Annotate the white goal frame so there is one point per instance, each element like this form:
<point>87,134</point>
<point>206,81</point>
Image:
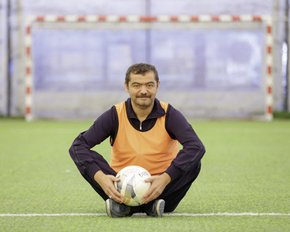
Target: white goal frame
<point>33,21</point>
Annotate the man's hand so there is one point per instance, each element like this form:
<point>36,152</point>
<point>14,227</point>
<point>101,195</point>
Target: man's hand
<point>158,184</point>
<point>107,184</point>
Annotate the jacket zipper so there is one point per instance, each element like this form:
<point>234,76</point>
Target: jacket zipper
<point>140,127</point>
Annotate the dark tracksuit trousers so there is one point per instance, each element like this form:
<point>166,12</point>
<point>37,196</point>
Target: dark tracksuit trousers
<point>172,194</point>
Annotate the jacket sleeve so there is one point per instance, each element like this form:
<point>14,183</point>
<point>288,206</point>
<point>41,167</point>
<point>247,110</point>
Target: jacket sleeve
<point>81,151</point>
<point>192,148</point>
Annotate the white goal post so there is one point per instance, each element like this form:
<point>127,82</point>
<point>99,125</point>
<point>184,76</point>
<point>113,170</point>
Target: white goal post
<point>33,22</point>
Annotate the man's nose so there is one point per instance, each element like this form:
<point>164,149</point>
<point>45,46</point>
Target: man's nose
<point>143,89</point>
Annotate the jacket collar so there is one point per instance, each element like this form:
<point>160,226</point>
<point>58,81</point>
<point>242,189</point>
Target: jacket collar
<point>156,112</point>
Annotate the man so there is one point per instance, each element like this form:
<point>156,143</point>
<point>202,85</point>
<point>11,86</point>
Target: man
<point>146,132</point>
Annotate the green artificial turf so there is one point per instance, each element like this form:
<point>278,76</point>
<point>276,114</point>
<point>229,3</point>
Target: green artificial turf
<point>246,169</point>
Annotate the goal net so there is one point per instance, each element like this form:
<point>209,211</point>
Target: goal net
<point>209,66</point>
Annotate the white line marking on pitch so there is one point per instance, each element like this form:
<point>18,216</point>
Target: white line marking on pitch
<point>226,214</point>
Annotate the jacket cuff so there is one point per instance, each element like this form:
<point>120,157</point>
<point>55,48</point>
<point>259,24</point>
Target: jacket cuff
<point>173,172</point>
<point>92,170</point>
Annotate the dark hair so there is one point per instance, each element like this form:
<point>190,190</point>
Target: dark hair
<point>141,68</point>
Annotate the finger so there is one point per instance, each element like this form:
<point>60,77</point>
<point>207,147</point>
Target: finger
<point>152,197</point>
<point>116,199</point>
<point>149,196</point>
<point>114,179</point>
<point>152,194</point>
<point>149,192</point>
<point>149,180</point>
<point>117,196</point>
<point>148,199</point>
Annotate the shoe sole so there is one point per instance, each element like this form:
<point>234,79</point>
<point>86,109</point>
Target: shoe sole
<point>108,207</point>
<point>160,208</point>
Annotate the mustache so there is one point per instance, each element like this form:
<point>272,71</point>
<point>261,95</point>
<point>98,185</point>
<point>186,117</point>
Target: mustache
<point>144,96</point>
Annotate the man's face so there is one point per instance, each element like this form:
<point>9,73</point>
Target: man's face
<point>142,89</point>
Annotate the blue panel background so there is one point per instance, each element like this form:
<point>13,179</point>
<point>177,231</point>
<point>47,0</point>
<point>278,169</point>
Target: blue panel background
<point>90,59</point>
<point>84,59</point>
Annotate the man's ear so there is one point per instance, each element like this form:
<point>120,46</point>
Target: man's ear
<point>158,84</point>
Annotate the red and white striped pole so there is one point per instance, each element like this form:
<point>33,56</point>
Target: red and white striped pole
<point>28,71</point>
<point>269,69</point>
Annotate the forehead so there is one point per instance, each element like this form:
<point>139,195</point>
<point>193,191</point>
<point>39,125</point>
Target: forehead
<point>142,78</point>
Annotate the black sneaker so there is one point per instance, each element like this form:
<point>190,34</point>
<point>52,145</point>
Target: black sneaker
<point>157,209</point>
<point>115,209</point>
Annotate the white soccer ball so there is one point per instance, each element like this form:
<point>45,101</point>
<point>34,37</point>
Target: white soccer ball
<point>132,185</point>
